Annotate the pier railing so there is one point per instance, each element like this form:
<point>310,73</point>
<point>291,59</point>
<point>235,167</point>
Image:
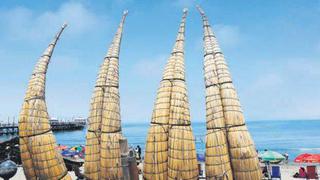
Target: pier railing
<point>12,127</point>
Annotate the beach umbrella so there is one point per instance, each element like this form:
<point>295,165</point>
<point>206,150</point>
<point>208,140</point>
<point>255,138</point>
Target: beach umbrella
<point>242,152</point>
<point>170,147</point>
<point>271,156</point>
<point>300,158</point>
<point>40,159</point>
<point>307,158</point>
<point>217,154</point>
<point>61,147</point>
<point>314,158</point>
<point>103,156</point>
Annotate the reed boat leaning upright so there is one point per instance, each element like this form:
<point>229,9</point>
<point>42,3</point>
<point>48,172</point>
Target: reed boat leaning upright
<point>103,156</point>
<point>40,159</point>
<point>242,152</point>
<point>170,148</point>
<point>217,161</point>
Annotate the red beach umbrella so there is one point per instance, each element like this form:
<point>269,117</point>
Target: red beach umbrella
<point>307,158</point>
<point>314,158</point>
<point>301,157</point>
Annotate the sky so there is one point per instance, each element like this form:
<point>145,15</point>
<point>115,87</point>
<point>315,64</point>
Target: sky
<point>272,49</point>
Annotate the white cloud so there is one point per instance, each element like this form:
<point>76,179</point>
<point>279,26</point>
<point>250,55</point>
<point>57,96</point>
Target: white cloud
<point>228,35</point>
<point>23,23</point>
<point>150,67</point>
<point>286,89</point>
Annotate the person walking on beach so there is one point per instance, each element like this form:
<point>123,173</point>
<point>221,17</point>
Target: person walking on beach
<point>138,150</point>
<point>286,155</point>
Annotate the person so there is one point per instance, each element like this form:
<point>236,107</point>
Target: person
<point>286,155</point>
<point>138,150</point>
<point>265,171</point>
<point>302,173</point>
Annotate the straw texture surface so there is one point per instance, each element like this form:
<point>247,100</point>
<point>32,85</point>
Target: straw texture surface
<point>39,156</point>
<point>156,153</point>
<point>242,153</point>
<point>217,154</point>
<point>103,156</point>
<point>170,147</point>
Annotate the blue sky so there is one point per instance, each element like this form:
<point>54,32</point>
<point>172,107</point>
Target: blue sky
<point>272,48</point>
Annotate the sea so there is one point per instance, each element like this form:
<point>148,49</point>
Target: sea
<point>285,136</point>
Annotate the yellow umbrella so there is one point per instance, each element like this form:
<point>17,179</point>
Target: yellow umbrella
<point>170,147</point>
<point>103,157</point>
<point>40,159</point>
<point>242,152</point>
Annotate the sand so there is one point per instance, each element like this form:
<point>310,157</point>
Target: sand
<point>20,175</point>
<point>287,172</point>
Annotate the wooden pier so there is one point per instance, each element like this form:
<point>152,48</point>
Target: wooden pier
<point>8,128</point>
<point>56,125</point>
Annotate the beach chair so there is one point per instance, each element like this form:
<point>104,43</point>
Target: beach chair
<point>275,172</point>
<point>312,172</point>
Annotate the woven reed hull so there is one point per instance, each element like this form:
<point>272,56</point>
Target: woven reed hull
<point>110,69</point>
<point>111,111</point>
<point>175,66</point>
<point>95,114</point>
<point>214,109</point>
<point>161,108</point>
<point>231,105</point>
<point>46,160</point>
<point>110,157</point>
<point>26,159</point>
<point>92,158</point>
<point>244,159</point>
<point>182,157</point>
<point>217,155</point>
<point>105,110</point>
<point>156,153</point>
<point>243,154</point>
<point>209,67</point>
<point>179,106</point>
<point>33,118</point>
<point>37,82</point>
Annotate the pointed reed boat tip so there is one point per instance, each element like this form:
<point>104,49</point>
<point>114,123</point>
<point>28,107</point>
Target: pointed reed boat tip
<point>185,10</point>
<point>103,151</point>
<point>233,160</point>
<point>170,146</point>
<point>200,10</point>
<point>40,160</point>
<point>64,25</point>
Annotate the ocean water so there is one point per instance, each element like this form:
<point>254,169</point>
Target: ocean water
<point>293,137</point>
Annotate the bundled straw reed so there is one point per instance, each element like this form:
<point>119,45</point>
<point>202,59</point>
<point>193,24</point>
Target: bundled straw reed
<point>156,153</point>
<point>40,159</point>
<point>170,147</point>
<point>217,154</point>
<point>103,156</point>
<point>182,156</point>
<point>244,160</point>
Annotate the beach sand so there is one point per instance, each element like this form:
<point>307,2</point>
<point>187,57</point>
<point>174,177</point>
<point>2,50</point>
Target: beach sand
<point>20,175</point>
<point>287,172</point>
